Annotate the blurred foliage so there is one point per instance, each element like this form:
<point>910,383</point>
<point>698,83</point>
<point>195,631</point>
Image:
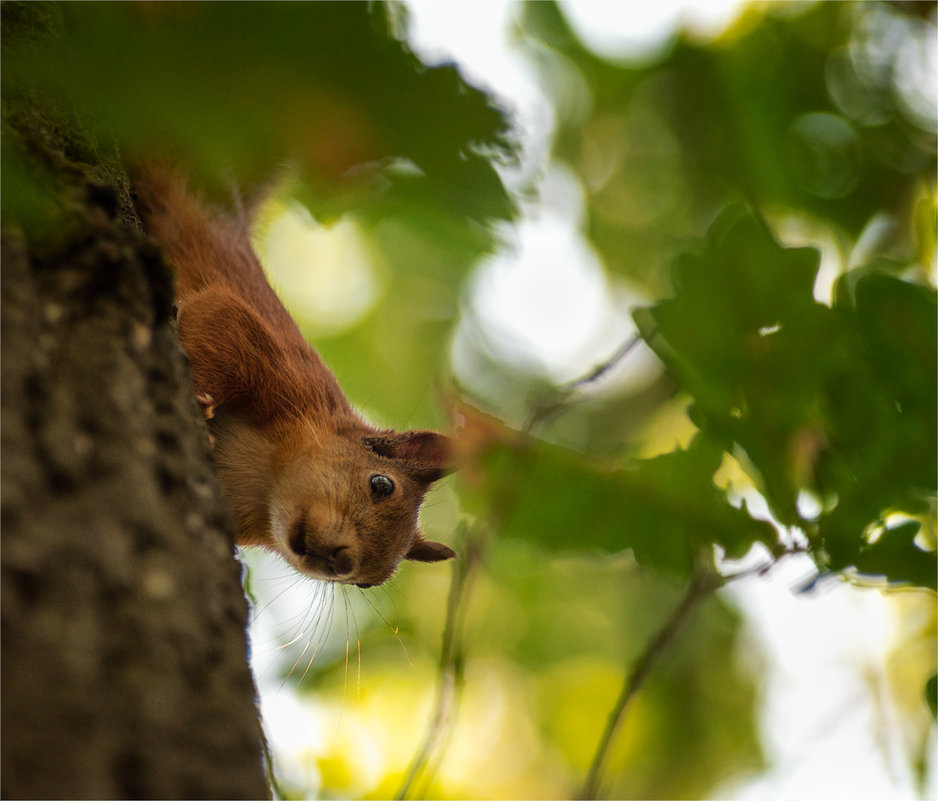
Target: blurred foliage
<point>662,147</point>
<point>705,170</point>
<point>543,664</point>
<point>236,94</point>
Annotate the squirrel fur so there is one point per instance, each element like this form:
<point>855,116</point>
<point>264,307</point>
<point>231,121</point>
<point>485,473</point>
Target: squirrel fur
<point>304,475</point>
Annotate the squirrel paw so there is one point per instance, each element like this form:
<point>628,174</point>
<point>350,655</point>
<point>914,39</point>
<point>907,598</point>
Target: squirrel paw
<point>207,404</point>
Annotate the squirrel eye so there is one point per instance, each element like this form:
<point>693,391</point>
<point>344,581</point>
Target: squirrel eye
<point>381,487</point>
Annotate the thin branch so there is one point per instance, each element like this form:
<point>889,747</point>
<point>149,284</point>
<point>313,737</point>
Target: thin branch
<point>559,400</point>
<point>452,654</point>
<point>766,567</point>
<point>705,580</point>
<point>600,370</point>
<point>702,584</point>
<point>452,660</point>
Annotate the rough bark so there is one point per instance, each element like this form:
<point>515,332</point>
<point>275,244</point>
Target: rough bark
<point>125,670</point>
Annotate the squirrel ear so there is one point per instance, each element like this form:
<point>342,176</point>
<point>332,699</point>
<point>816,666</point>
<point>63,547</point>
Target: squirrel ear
<point>428,551</point>
<point>426,453</point>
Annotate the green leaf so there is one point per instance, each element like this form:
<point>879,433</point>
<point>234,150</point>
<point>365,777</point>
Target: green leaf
<point>898,321</point>
<point>894,555</point>
<point>836,403</point>
<point>741,336</point>
<point>664,509</point>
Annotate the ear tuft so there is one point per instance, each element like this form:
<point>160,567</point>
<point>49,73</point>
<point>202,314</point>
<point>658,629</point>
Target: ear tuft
<point>425,453</point>
<point>428,551</point>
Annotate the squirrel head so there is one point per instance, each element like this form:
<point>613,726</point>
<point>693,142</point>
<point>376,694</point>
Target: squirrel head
<point>343,505</point>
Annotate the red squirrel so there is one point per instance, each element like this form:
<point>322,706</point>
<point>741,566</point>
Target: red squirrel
<point>304,475</point>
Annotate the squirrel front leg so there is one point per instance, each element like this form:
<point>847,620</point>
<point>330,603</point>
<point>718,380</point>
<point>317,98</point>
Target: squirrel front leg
<point>207,404</point>
<point>232,354</point>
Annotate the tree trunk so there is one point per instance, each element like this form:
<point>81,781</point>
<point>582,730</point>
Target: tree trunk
<point>125,670</point>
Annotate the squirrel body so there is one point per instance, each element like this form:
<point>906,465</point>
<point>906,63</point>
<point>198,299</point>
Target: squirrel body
<point>304,475</point>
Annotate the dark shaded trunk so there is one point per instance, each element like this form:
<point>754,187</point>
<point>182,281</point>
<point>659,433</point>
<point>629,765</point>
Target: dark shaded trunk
<point>125,669</point>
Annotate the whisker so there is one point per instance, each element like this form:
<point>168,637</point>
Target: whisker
<point>310,617</point>
<point>358,644</point>
<point>292,583</point>
<point>395,630</point>
<point>358,641</point>
<point>318,633</point>
<point>328,600</point>
<point>348,630</point>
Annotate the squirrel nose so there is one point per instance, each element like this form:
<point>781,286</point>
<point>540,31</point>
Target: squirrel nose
<point>340,561</point>
<point>336,559</point>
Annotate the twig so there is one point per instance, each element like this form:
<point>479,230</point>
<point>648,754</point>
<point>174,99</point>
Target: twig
<point>559,400</point>
<point>450,670</point>
<point>703,582</point>
<point>600,370</point>
<point>452,654</point>
<point>452,657</point>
